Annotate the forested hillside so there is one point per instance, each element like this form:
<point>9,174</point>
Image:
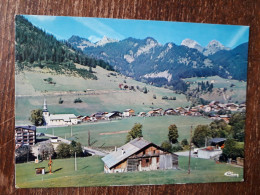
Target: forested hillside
<point>36,48</point>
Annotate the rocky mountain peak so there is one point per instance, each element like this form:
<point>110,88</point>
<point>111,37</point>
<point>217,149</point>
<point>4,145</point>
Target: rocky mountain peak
<point>213,47</point>
<point>192,44</point>
<point>105,40</point>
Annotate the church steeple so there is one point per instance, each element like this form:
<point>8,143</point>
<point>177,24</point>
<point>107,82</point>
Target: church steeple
<point>45,109</point>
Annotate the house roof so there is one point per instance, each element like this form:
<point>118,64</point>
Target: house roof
<point>217,140</point>
<point>28,127</point>
<point>65,117</point>
<point>125,151</point>
<point>110,114</point>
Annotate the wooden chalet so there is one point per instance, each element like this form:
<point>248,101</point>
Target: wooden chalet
<point>155,112</point>
<point>139,155</point>
<point>170,111</point>
<point>128,113</point>
<point>113,115</point>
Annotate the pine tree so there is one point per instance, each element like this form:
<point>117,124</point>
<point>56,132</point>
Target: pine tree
<point>135,132</point>
<point>173,134</point>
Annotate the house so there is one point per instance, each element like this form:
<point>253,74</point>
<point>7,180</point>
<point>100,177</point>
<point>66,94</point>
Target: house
<point>209,152</point>
<point>181,110</point>
<point>57,119</point>
<point>142,114</point>
<point>232,107</point>
<point>113,115</point>
<point>170,111</point>
<point>155,112</point>
<point>225,118</point>
<point>25,135</point>
<point>217,141</point>
<point>139,155</point>
<point>206,108</point>
<point>85,118</point>
<point>98,116</point>
<point>128,113</point>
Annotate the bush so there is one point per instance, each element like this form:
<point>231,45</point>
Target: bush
<point>184,142</point>
<point>166,145</point>
<point>176,147</point>
<point>77,100</point>
<point>63,150</point>
<point>164,98</point>
<point>60,101</point>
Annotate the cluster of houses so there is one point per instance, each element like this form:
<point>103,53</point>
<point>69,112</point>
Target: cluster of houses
<point>211,110</point>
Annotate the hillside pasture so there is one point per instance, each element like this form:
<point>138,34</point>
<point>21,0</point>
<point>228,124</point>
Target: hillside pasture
<point>102,95</point>
<point>237,92</point>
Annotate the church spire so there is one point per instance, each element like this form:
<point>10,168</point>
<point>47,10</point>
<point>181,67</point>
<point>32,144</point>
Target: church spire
<point>45,109</point>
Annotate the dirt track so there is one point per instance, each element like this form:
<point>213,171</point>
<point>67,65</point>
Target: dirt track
<point>115,132</point>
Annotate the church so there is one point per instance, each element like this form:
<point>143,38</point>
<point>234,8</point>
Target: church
<point>57,119</point>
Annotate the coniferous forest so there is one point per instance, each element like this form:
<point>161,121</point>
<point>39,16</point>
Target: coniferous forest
<point>36,48</point>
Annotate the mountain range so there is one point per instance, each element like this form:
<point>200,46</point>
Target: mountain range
<point>148,60</point>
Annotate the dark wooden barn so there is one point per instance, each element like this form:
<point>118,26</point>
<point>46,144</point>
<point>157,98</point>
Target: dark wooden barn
<point>139,155</point>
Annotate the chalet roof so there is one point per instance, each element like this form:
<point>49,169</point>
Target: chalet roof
<point>28,127</point>
<point>217,140</point>
<point>128,110</point>
<point>125,151</point>
<point>169,109</point>
<point>65,117</point>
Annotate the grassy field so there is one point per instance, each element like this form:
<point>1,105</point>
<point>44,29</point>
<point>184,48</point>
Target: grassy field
<point>90,173</point>
<point>237,92</point>
<point>102,94</point>
<point>155,129</point>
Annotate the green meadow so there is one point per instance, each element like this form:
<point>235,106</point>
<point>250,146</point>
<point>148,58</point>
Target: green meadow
<point>155,129</point>
<point>90,173</point>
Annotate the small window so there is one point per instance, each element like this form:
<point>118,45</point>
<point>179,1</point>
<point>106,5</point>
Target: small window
<point>154,151</point>
<point>147,160</point>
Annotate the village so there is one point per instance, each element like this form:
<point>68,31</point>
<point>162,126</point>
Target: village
<point>215,111</point>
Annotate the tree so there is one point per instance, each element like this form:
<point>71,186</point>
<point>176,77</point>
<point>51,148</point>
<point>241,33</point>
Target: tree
<point>200,134</point>
<point>46,149</point>
<point>184,142</point>
<point>37,117</point>
<point>23,154</point>
<point>76,147</point>
<point>135,132</point>
<point>173,133</point>
<point>145,90</point>
<point>166,145</point>
<point>219,128</point>
<point>232,149</point>
<point>60,101</point>
<point>77,100</point>
<point>237,122</point>
<point>63,150</point>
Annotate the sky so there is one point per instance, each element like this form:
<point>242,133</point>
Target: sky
<point>94,29</point>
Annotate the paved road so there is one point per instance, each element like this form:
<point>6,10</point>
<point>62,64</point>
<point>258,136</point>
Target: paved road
<point>89,150</point>
<point>186,153</point>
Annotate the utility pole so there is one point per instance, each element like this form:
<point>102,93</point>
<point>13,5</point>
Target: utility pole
<point>88,138</point>
<point>71,130</point>
<point>190,149</point>
<point>75,162</point>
